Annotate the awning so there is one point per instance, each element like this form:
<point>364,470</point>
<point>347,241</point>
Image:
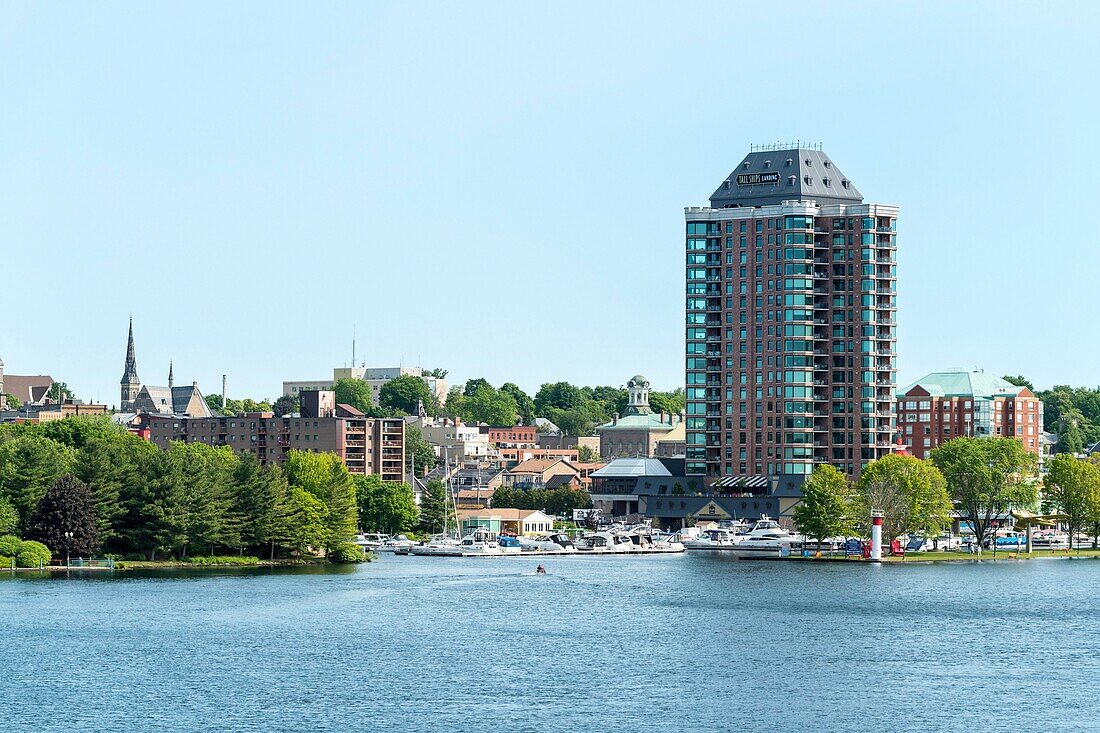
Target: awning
<point>742,482</point>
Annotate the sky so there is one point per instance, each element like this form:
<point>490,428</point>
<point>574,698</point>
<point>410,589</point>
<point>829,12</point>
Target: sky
<point>497,189</point>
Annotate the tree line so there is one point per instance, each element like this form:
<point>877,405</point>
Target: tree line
<point>980,479</point>
<point>1073,413</point>
<point>86,485</point>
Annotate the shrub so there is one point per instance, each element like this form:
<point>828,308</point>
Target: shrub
<point>5,562</point>
<point>134,557</point>
<point>32,554</point>
<point>223,560</point>
<point>346,552</point>
<point>9,545</point>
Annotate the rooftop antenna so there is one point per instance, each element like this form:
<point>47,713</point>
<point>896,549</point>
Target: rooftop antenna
<point>353,347</point>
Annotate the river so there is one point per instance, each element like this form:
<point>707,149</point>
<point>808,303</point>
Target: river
<point>680,643</point>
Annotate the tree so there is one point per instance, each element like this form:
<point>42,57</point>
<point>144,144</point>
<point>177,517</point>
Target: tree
<point>436,511</point>
<point>305,528</point>
<point>29,465</point>
<point>586,454</point>
<point>11,401</point>
<point>1070,438</point>
<point>487,405</point>
<point>456,402</point>
<point>473,385</point>
<point>525,406</point>
<point>825,508</point>
<point>436,373</point>
<point>404,394</point>
<point>911,494</point>
<point>673,402</point>
<point>576,421</point>
<point>355,392</point>
<point>285,405</point>
<point>261,503</point>
<point>1019,381</point>
<point>112,467</point>
<point>64,519</point>
<point>562,395</point>
<point>986,477</point>
<point>59,391</point>
<point>388,506</point>
<point>9,518</point>
<point>326,477</point>
<point>419,450</point>
<point>1070,485</point>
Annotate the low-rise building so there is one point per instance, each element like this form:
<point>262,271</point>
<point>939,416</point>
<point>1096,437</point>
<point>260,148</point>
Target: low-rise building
<point>511,436</point>
<point>672,444</point>
<point>29,389</point>
<point>636,432</point>
<point>51,411</point>
<point>506,521</point>
<point>536,473</point>
<point>511,457</point>
<point>946,405</point>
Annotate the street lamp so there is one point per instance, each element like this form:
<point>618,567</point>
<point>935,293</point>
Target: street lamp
<point>68,545</point>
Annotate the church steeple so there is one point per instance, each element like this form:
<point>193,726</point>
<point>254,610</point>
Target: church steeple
<point>171,382</point>
<point>130,382</point>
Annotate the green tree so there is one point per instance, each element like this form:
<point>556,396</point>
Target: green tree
<point>825,509</point>
<point>1019,381</point>
<point>112,467</point>
<point>29,465</point>
<point>9,518</point>
<point>11,401</point>
<point>473,385</point>
<point>456,403</point>
<point>562,501</point>
<point>285,405</point>
<point>525,406</point>
<point>673,402</point>
<point>356,392</point>
<point>305,528</point>
<point>560,395</point>
<point>986,478</point>
<point>59,391</point>
<point>487,405</point>
<point>575,421</point>
<point>588,455</point>
<point>78,431</point>
<point>418,449</point>
<point>436,511</point>
<point>1070,485</point>
<point>1071,439</point>
<point>261,503</point>
<point>326,477</point>
<point>403,395</point>
<point>388,506</point>
<point>65,520</point>
<point>911,494</point>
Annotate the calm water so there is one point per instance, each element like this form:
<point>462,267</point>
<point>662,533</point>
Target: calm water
<point>684,643</point>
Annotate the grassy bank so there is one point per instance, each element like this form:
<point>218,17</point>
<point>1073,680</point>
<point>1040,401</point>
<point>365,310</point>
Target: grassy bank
<point>941,556</point>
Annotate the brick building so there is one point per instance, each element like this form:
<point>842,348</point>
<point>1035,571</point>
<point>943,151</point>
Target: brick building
<point>365,445</point>
<point>790,322</point>
<point>946,405</point>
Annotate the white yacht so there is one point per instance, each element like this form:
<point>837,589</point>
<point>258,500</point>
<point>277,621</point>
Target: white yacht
<point>605,543</point>
<point>479,543</point>
<point>555,543</point>
<point>766,539</point>
<point>439,544</point>
<point>370,540</point>
<point>714,539</point>
<point>398,544</point>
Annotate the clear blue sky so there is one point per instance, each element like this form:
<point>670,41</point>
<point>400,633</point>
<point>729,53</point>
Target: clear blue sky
<point>498,188</point>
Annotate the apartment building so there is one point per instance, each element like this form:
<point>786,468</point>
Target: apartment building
<point>790,322</point>
<point>365,445</point>
<point>946,405</point>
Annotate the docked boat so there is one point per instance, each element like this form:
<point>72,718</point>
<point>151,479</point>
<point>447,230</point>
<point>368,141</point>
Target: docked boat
<point>646,539</point>
<point>556,543</point>
<point>439,544</point>
<point>714,539</point>
<point>509,544</point>
<point>766,540</point>
<point>370,540</point>
<point>399,544</point>
<point>605,543</point>
<point>479,543</point>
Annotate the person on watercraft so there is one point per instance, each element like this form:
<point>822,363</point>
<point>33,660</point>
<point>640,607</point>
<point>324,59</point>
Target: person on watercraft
<point>540,570</point>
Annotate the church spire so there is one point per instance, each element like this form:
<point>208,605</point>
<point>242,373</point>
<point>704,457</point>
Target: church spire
<point>131,384</point>
<point>130,372</point>
<point>171,382</point>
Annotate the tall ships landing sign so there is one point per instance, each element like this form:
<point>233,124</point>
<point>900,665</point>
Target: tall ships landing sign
<point>747,179</point>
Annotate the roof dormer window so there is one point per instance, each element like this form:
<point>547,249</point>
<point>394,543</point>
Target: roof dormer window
<point>767,164</point>
<point>789,162</point>
<point>808,180</point>
<point>790,180</point>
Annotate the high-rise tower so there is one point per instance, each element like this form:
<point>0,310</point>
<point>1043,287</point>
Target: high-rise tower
<point>791,322</point>
<point>131,383</point>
